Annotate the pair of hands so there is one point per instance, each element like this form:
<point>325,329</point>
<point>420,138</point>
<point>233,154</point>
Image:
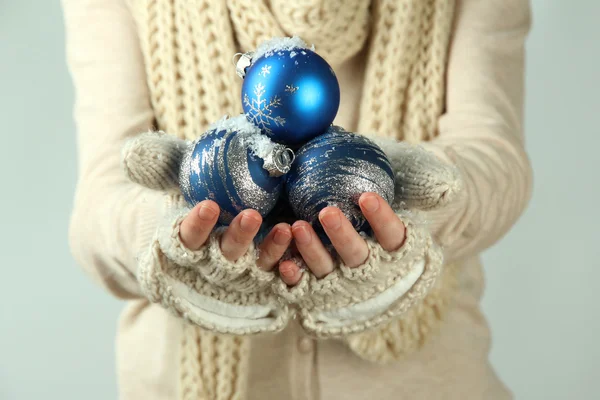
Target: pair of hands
<point>351,247</point>
<point>202,288</point>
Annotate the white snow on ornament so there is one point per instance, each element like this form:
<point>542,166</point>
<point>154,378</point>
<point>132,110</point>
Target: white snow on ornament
<point>238,123</point>
<point>293,54</point>
<point>195,166</point>
<point>259,144</point>
<point>278,44</point>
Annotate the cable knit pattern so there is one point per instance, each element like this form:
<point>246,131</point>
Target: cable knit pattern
<point>200,378</point>
<point>321,22</point>
<point>403,94</point>
<point>174,72</point>
<point>188,49</point>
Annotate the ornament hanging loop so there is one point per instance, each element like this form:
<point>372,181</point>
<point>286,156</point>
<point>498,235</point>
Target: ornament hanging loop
<point>289,156</point>
<point>242,63</point>
<point>279,161</point>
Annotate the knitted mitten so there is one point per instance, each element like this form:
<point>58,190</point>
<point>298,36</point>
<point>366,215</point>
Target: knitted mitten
<point>387,284</point>
<point>423,181</point>
<point>200,286</point>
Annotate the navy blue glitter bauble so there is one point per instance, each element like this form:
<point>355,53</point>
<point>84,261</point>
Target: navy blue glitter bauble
<point>334,169</point>
<point>237,170</point>
<point>292,95</point>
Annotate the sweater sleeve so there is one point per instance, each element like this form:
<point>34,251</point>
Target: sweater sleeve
<point>482,130</point>
<point>481,134</point>
<point>112,218</point>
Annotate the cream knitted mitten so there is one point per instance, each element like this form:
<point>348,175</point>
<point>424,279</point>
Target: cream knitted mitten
<point>208,290</point>
<point>200,286</point>
<point>423,182</point>
<point>387,284</point>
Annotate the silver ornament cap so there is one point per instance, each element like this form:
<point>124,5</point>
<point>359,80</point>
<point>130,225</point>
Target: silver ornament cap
<point>242,63</point>
<point>279,161</point>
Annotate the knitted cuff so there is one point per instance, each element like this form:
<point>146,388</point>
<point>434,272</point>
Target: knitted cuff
<point>205,288</point>
<point>243,275</point>
<point>401,336</point>
<point>173,247</point>
<point>184,292</point>
<point>352,300</point>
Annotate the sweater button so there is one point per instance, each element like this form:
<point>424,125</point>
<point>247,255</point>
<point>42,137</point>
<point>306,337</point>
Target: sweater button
<point>305,345</point>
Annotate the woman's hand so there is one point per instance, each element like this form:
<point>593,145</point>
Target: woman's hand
<point>196,228</point>
<point>351,247</point>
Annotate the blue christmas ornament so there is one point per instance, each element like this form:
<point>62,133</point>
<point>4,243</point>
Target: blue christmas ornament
<point>236,166</point>
<point>289,91</point>
<point>334,169</point>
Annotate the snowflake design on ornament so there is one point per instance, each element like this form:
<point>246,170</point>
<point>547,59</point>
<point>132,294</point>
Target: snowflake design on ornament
<point>261,111</point>
<point>265,70</point>
<point>291,88</point>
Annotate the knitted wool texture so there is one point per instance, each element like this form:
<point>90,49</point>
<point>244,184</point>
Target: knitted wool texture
<point>188,47</point>
<point>203,287</point>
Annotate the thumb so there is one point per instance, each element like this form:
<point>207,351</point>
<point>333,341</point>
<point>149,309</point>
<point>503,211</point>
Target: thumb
<point>422,180</point>
<point>152,159</point>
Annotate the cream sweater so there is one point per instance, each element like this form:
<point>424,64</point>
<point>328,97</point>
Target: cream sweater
<point>113,220</point>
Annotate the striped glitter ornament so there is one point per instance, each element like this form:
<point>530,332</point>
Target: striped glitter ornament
<point>334,169</point>
<point>236,166</point>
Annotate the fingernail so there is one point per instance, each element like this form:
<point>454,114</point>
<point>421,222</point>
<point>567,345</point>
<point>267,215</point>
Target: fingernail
<point>370,203</point>
<point>288,270</point>
<point>281,237</point>
<point>206,213</point>
<point>331,219</point>
<point>249,223</point>
<point>301,235</point>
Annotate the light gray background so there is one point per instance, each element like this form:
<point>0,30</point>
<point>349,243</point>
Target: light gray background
<point>57,328</point>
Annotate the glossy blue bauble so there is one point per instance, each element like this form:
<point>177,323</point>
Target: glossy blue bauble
<point>291,95</point>
<point>334,169</point>
<point>221,166</point>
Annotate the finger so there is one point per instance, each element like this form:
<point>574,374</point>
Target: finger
<point>387,227</point>
<point>314,253</point>
<point>240,233</point>
<point>197,225</point>
<point>350,246</point>
<point>273,247</point>
<point>290,273</point>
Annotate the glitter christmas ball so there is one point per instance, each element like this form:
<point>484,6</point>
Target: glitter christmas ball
<point>236,166</point>
<point>334,169</point>
<point>290,92</point>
